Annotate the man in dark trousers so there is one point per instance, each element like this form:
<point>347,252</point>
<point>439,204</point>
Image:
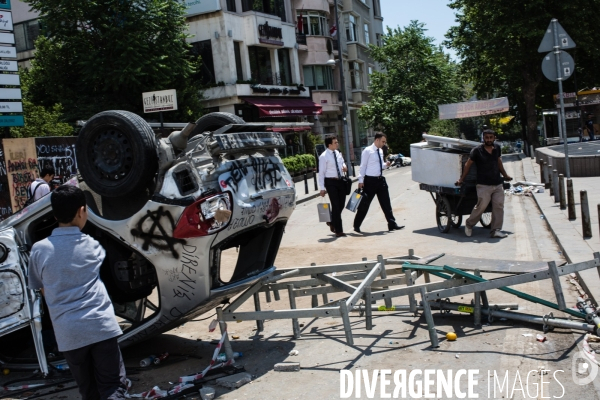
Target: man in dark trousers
<point>488,159</point>
<point>66,268</point>
<point>589,125</point>
<point>373,183</point>
<point>331,170</point>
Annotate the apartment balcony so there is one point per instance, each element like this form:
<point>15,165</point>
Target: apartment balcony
<point>328,99</point>
<point>301,39</point>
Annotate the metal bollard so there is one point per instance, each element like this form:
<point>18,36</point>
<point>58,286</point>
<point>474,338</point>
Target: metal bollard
<point>546,175</point>
<point>598,226</point>
<point>561,191</point>
<point>315,181</point>
<point>531,153</point>
<point>555,185</point>
<point>305,184</point>
<point>571,200</point>
<point>542,179</point>
<point>353,172</point>
<point>550,185</point>
<point>586,223</point>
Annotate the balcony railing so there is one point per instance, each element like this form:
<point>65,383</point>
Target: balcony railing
<point>301,39</point>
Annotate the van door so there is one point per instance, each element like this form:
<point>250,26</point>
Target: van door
<point>21,307</point>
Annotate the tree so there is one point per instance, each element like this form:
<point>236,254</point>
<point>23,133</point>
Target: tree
<point>96,55</point>
<point>497,41</point>
<point>416,77</point>
<point>39,121</point>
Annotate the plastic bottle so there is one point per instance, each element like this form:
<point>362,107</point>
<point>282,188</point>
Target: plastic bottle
<point>160,358</point>
<point>147,361</point>
<point>62,367</point>
<point>223,357</point>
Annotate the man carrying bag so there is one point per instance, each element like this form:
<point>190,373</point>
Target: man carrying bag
<point>332,182</point>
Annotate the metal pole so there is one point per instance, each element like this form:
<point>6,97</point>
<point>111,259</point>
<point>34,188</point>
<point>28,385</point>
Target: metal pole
<point>477,304</point>
<point>555,185</point>
<point>315,180</point>
<point>368,309</point>
<point>571,200</point>
<point>550,183</point>
<point>561,191</point>
<point>586,222</point>
<point>305,184</point>
<point>531,152</point>
<point>260,325</point>
<point>429,318</point>
<point>343,85</point>
<point>563,125</point>
<point>223,328</point>
<point>295,324</point>
<point>546,175</point>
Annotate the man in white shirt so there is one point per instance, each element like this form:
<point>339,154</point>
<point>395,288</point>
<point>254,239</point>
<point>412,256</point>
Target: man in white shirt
<point>41,186</point>
<point>373,183</point>
<point>331,170</point>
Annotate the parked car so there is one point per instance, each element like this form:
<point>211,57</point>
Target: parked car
<point>398,160</point>
<point>187,221</point>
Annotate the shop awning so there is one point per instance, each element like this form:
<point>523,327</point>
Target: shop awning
<point>284,107</point>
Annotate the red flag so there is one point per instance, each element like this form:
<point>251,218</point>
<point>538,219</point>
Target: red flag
<point>333,30</point>
<point>301,24</point>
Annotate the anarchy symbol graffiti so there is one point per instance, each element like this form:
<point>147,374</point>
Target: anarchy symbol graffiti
<point>155,234</point>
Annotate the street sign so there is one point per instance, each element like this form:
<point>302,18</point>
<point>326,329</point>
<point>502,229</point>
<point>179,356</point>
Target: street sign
<point>162,100</point>
<point>7,38</point>
<point>11,106</point>
<point>5,4</point>
<point>8,66</point>
<point>564,40</point>
<point>10,94</point>
<point>567,66</point>
<point>8,52</point>
<point>10,79</point>
<point>12,120</point>
<point>6,22</point>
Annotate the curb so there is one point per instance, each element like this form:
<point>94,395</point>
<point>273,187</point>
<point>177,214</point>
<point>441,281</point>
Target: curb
<point>560,245</point>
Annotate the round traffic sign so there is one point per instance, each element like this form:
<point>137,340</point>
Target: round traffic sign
<point>567,66</point>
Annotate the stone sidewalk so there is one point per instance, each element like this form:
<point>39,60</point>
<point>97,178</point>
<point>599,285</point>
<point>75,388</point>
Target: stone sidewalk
<point>569,234</point>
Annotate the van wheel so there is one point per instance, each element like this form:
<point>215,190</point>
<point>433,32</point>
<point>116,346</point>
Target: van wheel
<point>116,153</point>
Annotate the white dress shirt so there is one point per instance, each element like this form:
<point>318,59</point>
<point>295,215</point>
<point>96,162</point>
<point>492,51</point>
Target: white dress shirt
<point>43,190</point>
<point>369,164</point>
<point>327,167</point>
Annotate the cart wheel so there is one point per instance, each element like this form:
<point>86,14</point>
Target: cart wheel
<point>456,221</point>
<point>442,215</point>
<point>486,220</point>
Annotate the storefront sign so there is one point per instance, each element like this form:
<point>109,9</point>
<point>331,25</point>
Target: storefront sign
<point>163,100</point>
<point>5,4</point>
<point>269,31</point>
<point>12,120</point>
<point>195,7</point>
<point>9,66</point>
<point>473,108</point>
<point>10,79</point>
<point>11,106</point>
<point>10,94</point>
<point>7,38</point>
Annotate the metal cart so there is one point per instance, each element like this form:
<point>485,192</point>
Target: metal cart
<point>451,203</point>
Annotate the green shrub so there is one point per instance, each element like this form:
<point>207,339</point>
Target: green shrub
<point>299,163</point>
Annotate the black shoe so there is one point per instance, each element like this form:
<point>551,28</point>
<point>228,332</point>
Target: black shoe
<point>331,228</point>
<point>395,227</point>
<point>357,230</point>
<point>341,234</point>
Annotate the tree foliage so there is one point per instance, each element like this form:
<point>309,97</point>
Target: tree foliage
<point>416,77</point>
<point>96,55</point>
<point>39,121</point>
<point>497,41</point>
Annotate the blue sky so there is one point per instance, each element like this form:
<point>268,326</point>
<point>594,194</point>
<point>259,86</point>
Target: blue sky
<point>435,14</point>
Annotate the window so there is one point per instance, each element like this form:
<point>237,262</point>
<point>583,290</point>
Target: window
<point>314,23</point>
<point>376,8</point>
<point>231,6</point>
<point>318,77</point>
<point>379,39</point>
<point>273,7</point>
<point>238,61</point>
<point>367,38</point>
<point>260,65</point>
<point>356,75</point>
<point>285,69</point>
<point>207,70</point>
<point>351,28</point>
<point>25,35</point>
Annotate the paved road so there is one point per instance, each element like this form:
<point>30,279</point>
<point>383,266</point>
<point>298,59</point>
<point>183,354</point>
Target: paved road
<point>400,340</point>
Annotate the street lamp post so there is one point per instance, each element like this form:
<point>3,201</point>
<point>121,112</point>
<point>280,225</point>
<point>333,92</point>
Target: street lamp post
<point>342,84</point>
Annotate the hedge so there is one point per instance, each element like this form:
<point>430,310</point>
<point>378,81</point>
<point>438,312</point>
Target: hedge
<point>299,163</point>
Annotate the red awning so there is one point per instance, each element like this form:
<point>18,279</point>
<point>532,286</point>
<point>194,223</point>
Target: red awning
<point>282,107</point>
